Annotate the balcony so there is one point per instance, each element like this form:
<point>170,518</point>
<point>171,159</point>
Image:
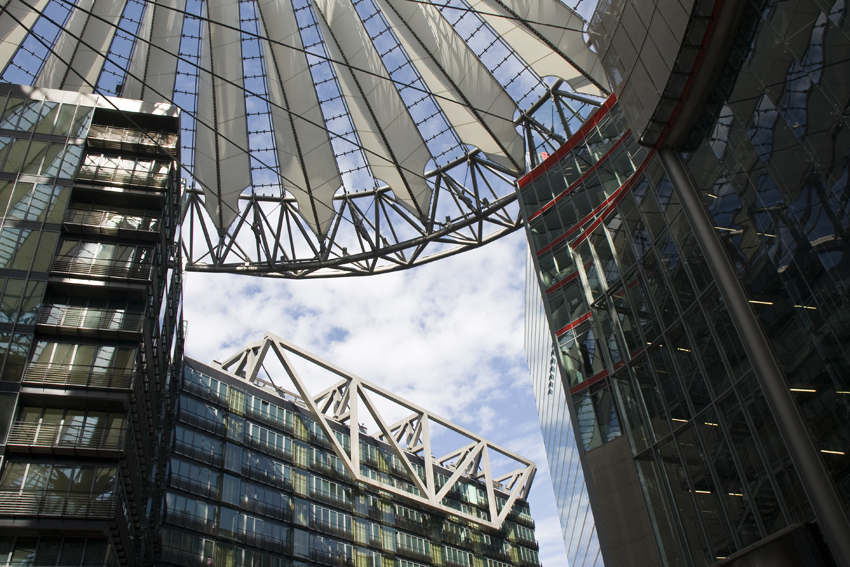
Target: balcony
<point>131,139</point>
<point>205,455</point>
<point>412,553</point>
<point>421,528</point>
<point>86,320</point>
<point>208,394</point>
<point>332,499</point>
<point>85,267</point>
<point>185,558</point>
<point>521,517</point>
<point>329,528</point>
<point>194,486</point>
<point>57,504</point>
<point>328,470</point>
<point>495,551</point>
<point>458,540</point>
<point>85,437</point>
<point>328,558</point>
<point>266,542</point>
<point>186,520</point>
<point>111,223</point>
<point>527,542</point>
<point>145,174</point>
<point>82,375</point>
<point>263,475</point>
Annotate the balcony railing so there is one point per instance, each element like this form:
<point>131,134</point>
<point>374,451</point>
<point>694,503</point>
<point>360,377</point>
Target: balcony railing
<point>458,540</point>
<point>185,558</point>
<point>78,375</point>
<point>72,436</point>
<point>421,528</point>
<point>209,456</point>
<point>194,486</point>
<point>495,551</point>
<point>190,521</point>
<point>413,553</point>
<point>328,558</point>
<point>49,503</point>
<point>266,476</point>
<point>527,542</point>
<point>329,470</point>
<point>116,137</point>
<point>101,268</point>
<point>206,393</point>
<point>332,499</point>
<point>112,221</point>
<point>521,517</point>
<point>141,177</point>
<point>67,316</point>
<point>329,528</point>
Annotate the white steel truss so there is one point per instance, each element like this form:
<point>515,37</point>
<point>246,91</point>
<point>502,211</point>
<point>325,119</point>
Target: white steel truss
<point>349,398</point>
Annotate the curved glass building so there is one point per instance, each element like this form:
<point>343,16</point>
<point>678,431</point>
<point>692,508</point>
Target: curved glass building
<point>690,244</point>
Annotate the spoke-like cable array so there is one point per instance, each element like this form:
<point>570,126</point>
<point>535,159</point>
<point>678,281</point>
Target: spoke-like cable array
<point>331,137</point>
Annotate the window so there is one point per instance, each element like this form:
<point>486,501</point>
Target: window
<point>269,439</point>
<point>413,543</point>
<point>409,513</point>
<point>331,490</point>
<point>330,518</point>
<point>455,556</point>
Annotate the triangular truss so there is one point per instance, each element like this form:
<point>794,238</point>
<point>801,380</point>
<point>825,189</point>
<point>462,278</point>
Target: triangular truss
<point>351,396</point>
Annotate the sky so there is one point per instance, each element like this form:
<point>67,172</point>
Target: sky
<point>447,336</point>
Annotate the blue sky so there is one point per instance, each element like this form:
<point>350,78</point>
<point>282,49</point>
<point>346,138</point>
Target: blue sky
<point>447,336</point>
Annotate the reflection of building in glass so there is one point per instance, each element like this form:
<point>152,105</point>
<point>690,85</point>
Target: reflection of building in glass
<point>696,285</point>
<point>90,323</point>
<point>256,477</point>
<point>571,499</point>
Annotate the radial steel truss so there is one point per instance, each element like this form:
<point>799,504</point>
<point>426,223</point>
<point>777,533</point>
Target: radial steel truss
<point>348,400</point>
<point>329,137</point>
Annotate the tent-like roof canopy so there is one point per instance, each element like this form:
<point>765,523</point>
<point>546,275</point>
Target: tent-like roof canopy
<point>329,137</point>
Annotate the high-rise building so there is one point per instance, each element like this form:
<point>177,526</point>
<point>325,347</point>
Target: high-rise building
<point>690,244</point>
<point>260,475</point>
<point>562,453</point>
<point>91,323</point>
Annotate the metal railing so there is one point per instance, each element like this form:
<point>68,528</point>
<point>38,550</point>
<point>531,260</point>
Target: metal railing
<point>521,517</point>
<point>332,529</point>
<point>421,528</point>
<point>74,436</point>
<point>194,486</point>
<point>78,375</point>
<point>256,473</point>
<point>413,553</point>
<point>332,499</point>
<point>185,558</point>
<point>49,503</point>
<point>112,220</point>
<point>327,558</point>
<point>206,393</point>
<point>101,268</point>
<point>208,456</point>
<point>116,175</point>
<point>118,137</point>
<point>527,542</point>
<point>190,521</point>
<point>90,318</point>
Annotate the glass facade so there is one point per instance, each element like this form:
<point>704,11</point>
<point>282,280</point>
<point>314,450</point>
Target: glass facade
<point>85,360</point>
<point>571,498</point>
<point>252,480</point>
<point>648,345</point>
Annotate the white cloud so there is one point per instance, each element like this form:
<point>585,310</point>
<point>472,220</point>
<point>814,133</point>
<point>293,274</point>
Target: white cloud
<point>448,336</point>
